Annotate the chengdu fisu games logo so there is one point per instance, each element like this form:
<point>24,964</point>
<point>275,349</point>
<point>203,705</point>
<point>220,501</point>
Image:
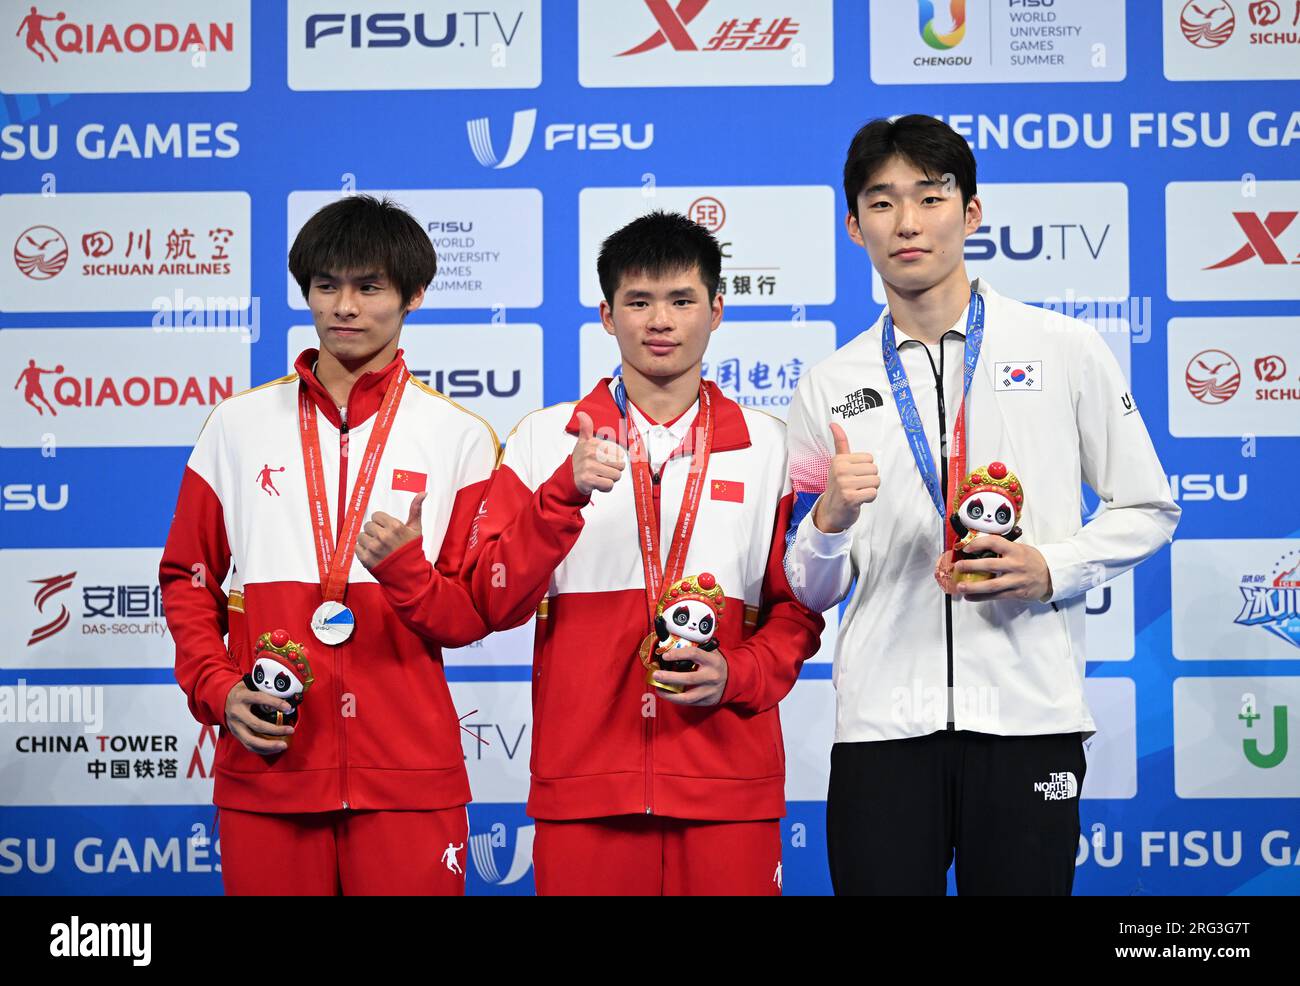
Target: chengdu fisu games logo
<point>925,12</point>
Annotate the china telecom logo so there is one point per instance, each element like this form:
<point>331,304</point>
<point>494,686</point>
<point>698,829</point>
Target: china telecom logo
<point>925,12</point>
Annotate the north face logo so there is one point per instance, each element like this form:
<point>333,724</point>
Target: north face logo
<point>857,402</point>
<point>1059,786</point>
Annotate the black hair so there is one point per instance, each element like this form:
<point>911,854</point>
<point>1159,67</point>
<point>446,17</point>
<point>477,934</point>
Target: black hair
<point>659,243</point>
<point>359,233</point>
<point>929,144</point>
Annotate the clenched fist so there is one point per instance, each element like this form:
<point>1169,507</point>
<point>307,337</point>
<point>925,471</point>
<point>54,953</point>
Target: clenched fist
<point>851,481</point>
<point>597,463</point>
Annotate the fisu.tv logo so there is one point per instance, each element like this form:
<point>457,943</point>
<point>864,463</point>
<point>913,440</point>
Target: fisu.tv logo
<point>950,39</point>
<point>583,136</point>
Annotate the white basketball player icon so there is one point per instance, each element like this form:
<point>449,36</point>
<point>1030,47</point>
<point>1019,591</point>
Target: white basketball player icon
<point>776,877</point>
<point>449,857</point>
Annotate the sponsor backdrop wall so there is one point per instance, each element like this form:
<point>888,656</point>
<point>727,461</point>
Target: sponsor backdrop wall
<point>1138,169</point>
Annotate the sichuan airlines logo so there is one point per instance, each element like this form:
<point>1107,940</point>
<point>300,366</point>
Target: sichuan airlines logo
<point>735,34</point>
<point>582,136</point>
<point>48,588</point>
<point>1270,368</point>
<point>1261,240</point>
<point>1273,602</point>
<point>1206,23</point>
<point>40,252</point>
<point>1213,376</point>
<point>948,39</point>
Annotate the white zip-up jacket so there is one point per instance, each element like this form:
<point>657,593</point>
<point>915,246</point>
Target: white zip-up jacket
<point>1012,667</point>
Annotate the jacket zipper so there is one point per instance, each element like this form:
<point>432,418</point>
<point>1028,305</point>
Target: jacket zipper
<point>650,719</point>
<point>943,485</point>
<point>338,657</point>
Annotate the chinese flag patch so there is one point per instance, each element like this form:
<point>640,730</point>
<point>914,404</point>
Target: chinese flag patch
<point>406,481</point>
<point>726,489</point>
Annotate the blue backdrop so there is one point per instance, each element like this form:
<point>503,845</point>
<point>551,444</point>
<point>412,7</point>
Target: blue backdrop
<point>1185,222</point>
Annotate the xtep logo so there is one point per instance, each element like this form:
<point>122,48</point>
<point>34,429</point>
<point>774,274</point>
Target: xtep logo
<point>951,39</point>
<point>584,136</point>
<point>50,587</point>
<point>672,26</point>
<point>736,34</point>
<point>1261,239</point>
<point>1250,745</point>
<point>1207,24</point>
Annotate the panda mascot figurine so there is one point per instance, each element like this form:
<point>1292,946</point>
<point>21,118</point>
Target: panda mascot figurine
<point>280,668</point>
<point>687,616</point>
<point>989,501</point>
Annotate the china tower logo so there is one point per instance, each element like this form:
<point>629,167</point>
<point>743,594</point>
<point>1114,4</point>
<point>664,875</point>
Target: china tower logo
<point>1213,376</point>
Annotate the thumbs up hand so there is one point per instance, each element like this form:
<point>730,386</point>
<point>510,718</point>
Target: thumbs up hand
<point>597,463</point>
<point>384,534</point>
<point>851,481</point>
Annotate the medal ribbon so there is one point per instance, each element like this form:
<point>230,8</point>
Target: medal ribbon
<point>911,417</point>
<point>657,575</point>
<point>334,565</point>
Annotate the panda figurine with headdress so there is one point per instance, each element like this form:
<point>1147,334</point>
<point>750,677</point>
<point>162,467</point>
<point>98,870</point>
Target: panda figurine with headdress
<point>280,668</point>
<point>687,616</point>
<point>989,501</point>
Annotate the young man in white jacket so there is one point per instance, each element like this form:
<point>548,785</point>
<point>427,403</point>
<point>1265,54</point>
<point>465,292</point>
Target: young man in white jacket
<point>960,704</point>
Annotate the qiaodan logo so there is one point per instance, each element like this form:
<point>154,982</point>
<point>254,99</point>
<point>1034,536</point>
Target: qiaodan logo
<point>925,12</point>
<point>1250,745</point>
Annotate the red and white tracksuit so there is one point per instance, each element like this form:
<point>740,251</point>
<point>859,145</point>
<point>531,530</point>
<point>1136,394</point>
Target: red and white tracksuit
<point>377,732</point>
<point>603,746</point>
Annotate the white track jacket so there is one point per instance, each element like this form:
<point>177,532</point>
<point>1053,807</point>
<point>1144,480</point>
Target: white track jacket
<point>911,660</point>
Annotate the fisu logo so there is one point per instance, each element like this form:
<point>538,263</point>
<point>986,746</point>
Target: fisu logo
<point>521,135</point>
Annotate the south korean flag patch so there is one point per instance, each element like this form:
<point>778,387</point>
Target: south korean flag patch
<point>1020,375</point>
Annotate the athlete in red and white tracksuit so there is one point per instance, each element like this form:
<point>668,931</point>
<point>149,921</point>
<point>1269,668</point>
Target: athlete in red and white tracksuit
<point>370,794</point>
<point>634,794</point>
